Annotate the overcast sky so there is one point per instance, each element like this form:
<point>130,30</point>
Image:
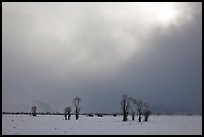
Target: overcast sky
<point>53,52</point>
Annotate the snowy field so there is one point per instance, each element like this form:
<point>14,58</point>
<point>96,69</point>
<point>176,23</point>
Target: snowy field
<point>55,124</point>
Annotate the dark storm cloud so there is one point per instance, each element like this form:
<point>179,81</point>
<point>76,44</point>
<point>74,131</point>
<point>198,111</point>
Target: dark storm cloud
<point>98,51</point>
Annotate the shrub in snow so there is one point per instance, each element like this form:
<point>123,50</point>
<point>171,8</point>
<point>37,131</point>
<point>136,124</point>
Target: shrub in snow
<point>100,115</point>
<point>133,115</point>
<point>90,115</point>
<point>33,109</point>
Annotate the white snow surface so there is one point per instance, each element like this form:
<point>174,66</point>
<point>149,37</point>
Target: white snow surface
<point>106,125</point>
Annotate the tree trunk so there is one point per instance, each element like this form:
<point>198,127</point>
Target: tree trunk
<point>69,115</point>
<point>124,113</point>
<point>77,114</point>
<point>139,115</point>
<point>65,115</point>
<point>139,118</point>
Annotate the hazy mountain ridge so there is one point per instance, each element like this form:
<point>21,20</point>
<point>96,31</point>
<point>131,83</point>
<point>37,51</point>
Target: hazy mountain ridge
<point>41,107</point>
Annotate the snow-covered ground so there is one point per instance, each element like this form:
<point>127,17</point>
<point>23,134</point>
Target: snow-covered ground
<point>55,124</point>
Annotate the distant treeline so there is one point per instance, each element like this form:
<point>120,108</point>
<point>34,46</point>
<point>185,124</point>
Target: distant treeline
<point>29,113</point>
<point>58,113</point>
<point>90,114</point>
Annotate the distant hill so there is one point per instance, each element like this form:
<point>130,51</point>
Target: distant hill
<point>41,107</point>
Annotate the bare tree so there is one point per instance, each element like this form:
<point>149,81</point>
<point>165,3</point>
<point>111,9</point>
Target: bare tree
<point>33,109</point>
<point>146,112</point>
<point>67,111</point>
<point>76,102</point>
<point>125,105</point>
<point>139,105</point>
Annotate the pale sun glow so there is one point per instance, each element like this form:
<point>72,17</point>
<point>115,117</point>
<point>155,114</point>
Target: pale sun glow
<point>162,13</point>
<point>166,13</point>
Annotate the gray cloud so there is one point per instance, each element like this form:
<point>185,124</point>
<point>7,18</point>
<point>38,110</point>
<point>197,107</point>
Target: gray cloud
<point>99,51</point>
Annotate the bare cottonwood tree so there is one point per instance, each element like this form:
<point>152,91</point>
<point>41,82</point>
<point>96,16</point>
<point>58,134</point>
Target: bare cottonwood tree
<point>76,102</point>
<point>139,105</point>
<point>33,109</point>
<point>125,105</point>
<point>67,111</point>
<point>146,112</point>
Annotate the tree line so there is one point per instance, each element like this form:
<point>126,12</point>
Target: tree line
<point>67,110</point>
<point>141,107</point>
